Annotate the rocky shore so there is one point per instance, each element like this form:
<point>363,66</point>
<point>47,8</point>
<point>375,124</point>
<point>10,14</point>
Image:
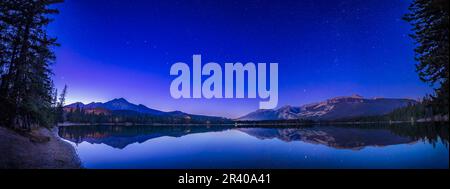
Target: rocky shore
<point>40,149</point>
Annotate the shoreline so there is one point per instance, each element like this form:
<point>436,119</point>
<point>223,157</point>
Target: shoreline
<point>42,149</point>
<point>255,123</point>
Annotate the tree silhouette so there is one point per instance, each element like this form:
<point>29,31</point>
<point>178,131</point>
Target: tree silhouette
<point>60,105</point>
<point>430,20</point>
<point>26,88</point>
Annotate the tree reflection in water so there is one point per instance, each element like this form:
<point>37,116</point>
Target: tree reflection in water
<point>337,136</point>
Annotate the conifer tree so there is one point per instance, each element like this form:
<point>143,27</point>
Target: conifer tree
<point>60,106</point>
<point>430,21</point>
<point>26,55</point>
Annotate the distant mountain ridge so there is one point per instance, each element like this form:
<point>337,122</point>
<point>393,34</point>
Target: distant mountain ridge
<point>117,104</point>
<point>332,109</point>
<point>122,107</point>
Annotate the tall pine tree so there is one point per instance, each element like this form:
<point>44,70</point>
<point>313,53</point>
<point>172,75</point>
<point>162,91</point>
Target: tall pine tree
<point>60,105</point>
<point>25,83</point>
<point>430,21</point>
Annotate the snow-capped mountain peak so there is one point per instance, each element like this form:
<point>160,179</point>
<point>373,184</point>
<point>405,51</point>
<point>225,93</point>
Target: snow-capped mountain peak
<point>334,108</point>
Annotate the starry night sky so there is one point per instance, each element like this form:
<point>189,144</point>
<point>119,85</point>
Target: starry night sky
<point>325,48</point>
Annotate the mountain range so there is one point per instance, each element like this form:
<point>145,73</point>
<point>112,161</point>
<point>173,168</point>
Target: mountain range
<point>332,109</point>
<point>115,104</point>
<point>121,107</point>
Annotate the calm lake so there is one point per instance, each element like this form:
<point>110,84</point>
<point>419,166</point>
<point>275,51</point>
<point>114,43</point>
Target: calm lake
<point>319,146</point>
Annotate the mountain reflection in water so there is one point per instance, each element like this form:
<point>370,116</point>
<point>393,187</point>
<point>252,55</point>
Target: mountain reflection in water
<point>354,137</point>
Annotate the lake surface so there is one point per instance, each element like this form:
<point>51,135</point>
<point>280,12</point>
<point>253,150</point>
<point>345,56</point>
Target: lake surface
<point>320,146</point>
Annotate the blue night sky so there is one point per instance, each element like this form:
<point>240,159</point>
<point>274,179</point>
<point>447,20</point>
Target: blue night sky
<point>325,48</point>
